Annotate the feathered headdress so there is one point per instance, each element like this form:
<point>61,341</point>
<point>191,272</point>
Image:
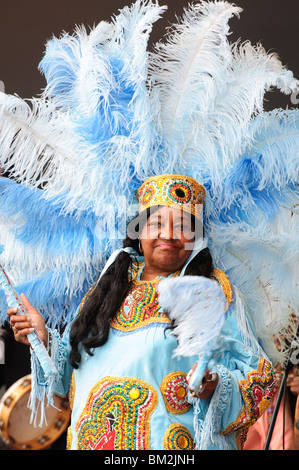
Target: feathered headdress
<point>113,114</point>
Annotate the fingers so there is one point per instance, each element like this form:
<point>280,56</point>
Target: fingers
<point>294,386</point>
<point>26,302</point>
<point>21,324</point>
<point>190,373</point>
<point>208,384</point>
<point>21,327</point>
<point>21,335</point>
<point>209,377</point>
<point>12,311</point>
<point>24,324</point>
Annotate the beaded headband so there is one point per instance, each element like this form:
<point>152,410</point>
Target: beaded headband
<point>177,191</point>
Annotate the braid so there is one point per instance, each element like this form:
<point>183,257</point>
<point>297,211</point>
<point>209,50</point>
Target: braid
<point>91,327</point>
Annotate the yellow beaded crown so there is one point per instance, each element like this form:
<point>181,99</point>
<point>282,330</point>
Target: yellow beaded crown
<point>177,191</point>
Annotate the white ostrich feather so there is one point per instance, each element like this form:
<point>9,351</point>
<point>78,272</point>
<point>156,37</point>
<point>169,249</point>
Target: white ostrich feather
<point>197,306</point>
<point>210,89</point>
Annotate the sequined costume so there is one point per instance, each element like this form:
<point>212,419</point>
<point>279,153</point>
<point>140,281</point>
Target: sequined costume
<point>112,115</point>
<point>132,393</point>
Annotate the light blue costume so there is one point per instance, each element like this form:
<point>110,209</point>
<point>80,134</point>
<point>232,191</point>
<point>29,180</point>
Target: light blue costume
<point>112,114</point>
<point>132,393</point>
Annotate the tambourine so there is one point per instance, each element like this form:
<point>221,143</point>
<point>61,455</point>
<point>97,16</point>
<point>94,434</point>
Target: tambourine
<point>15,427</point>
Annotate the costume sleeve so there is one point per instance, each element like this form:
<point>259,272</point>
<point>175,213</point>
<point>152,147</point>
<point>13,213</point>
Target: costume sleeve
<point>245,389</point>
<point>43,388</point>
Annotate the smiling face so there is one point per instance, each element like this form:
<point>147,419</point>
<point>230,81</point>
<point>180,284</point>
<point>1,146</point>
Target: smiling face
<point>167,241</point>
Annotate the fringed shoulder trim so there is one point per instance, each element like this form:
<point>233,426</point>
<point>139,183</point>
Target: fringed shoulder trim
<point>221,278</point>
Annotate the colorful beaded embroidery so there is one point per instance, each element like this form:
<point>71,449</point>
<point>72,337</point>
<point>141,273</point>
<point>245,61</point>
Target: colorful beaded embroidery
<point>174,390</point>
<point>71,395</point>
<point>117,415</point>
<point>72,391</point>
<point>257,391</point>
<point>69,438</point>
<point>177,191</point>
<point>141,307</point>
<point>177,437</point>
<point>221,279</point>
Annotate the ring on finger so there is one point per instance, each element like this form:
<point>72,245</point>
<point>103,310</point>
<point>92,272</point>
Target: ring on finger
<point>213,377</point>
<point>198,392</point>
<point>18,336</point>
